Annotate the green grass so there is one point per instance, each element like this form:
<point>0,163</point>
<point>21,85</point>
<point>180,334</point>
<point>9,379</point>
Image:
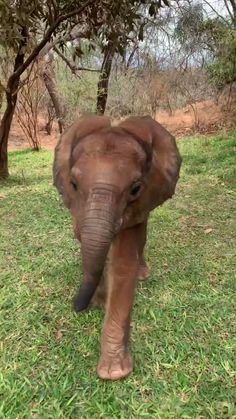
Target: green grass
<point>184,320</point>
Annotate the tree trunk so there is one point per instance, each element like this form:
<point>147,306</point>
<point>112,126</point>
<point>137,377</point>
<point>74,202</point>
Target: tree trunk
<point>102,91</point>
<point>4,134</point>
<point>51,115</point>
<point>11,97</point>
<point>233,5</point>
<point>49,80</point>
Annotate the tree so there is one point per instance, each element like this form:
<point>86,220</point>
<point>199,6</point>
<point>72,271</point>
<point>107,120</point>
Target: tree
<point>197,30</point>
<point>126,28</point>
<point>102,91</point>
<point>222,70</point>
<point>49,81</point>
<point>28,26</point>
<point>31,26</point>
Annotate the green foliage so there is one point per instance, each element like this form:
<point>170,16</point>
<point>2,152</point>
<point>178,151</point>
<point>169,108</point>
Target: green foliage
<point>14,15</point>
<point>189,24</point>
<point>107,20</point>
<point>197,32</point>
<point>223,69</point>
<point>183,325</point>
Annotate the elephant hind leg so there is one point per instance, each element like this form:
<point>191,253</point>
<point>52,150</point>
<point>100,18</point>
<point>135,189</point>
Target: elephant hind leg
<point>143,270</point>
<point>100,296</point>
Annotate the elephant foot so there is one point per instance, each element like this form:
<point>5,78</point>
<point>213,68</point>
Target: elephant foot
<point>115,368</point>
<point>143,272</point>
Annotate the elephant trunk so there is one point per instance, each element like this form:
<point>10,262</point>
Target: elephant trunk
<point>97,232</point>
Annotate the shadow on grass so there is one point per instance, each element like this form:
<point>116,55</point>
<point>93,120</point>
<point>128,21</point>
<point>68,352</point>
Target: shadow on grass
<point>25,180</point>
<point>25,152</point>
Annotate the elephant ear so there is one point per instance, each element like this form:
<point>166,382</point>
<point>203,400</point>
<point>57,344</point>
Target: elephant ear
<point>166,159</point>
<point>85,126</point>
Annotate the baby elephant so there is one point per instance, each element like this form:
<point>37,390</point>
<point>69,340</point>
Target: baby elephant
<point>110,178</point>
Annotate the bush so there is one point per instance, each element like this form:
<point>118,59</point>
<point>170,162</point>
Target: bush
<point>79,93</point>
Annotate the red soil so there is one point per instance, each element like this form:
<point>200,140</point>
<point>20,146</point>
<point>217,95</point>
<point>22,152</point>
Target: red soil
<point>203,117</point>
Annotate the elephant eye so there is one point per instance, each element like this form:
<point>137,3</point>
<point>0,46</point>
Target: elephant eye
<point>75,187</point>
<point>135,189</point>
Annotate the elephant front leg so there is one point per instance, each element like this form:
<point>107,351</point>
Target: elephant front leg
<point>143,270</point>
<point>115,361</point>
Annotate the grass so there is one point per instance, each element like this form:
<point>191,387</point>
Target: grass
<point>184,319</point>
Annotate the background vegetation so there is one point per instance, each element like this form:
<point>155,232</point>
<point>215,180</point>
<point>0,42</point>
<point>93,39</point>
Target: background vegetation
<point>136,58</point>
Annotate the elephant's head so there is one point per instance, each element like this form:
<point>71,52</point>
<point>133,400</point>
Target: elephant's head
<point>110,178</point>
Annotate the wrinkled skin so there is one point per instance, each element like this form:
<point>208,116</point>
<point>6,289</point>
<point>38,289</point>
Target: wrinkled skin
<point>111,178</point>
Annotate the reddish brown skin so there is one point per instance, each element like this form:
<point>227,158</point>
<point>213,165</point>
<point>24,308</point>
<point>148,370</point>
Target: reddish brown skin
<point>111,178</point>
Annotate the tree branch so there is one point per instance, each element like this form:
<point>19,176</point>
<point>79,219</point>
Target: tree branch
<point>69,37</point>
<point>233,4</point>
<point>47,37</point>
<point>54,4</point>
<point>233,16</point>
<point>228,9</point>
<point>73,67</point>
<point>217,14</point>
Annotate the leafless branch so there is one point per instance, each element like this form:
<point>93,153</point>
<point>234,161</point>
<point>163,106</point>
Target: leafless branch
<point>27,77</point>
<point>28,107</point>
<point>72,66</point>
<point>217,14</point>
